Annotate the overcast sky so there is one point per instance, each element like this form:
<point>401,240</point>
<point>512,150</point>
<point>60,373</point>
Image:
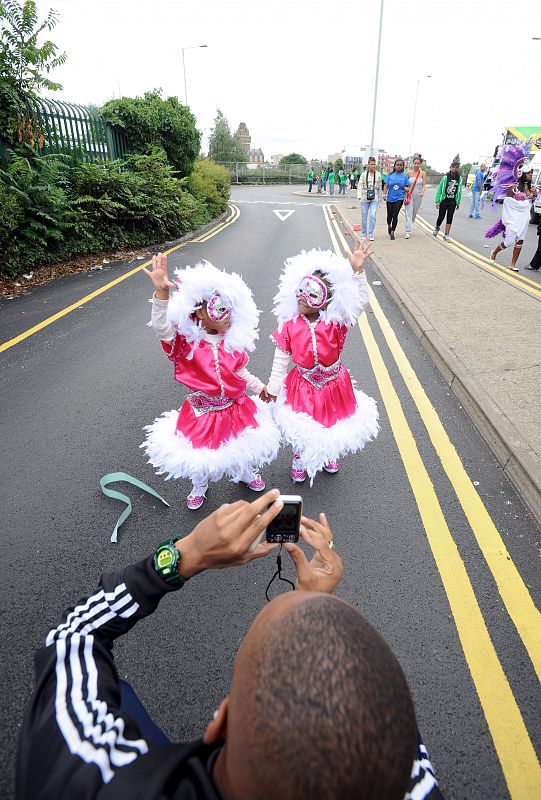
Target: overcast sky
<point>301,73</point>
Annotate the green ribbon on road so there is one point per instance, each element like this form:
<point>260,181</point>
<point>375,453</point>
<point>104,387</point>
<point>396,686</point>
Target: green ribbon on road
<point>114,477</point>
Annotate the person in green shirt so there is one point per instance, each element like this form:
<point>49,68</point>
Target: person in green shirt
<point>343,181</point>
<point>330,181</point>
<point>310,179</point>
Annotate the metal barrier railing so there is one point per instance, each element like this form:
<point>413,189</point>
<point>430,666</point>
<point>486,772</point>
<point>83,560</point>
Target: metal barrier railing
<point>75,130</point>
<point>265,173</point>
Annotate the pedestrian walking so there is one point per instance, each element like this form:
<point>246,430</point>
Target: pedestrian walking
<point>512,183</point>
<point>320,414</point>
<point>369,193</point>
<point>206,329</point>
<point>330,181</point>
<point>448,199</point>
<point>394,192</point>
<point>343,181</point>
<point>476,189</point>
<point>310,179</point>
<point>535,263</point>
<point>319,183</point>
<point>326,180</point>
<point>515,219</point>
<point>412,203</point>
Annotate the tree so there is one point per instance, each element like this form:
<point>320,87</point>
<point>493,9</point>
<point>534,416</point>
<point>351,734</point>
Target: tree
<point>338,164</point>
<point>457,159</point>
<point>24,65</point>
<point>466,169</point>
<point>150,121</point>
<point>293,158</point>
<point>223,145</point>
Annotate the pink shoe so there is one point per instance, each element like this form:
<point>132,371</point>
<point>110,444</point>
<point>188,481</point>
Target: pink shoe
<point>196,500</point>
<point>258,484</point>
<point>331,466</point>
<point>298,475</point>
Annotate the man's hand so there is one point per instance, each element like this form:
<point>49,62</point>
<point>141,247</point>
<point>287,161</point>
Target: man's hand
<point>225,536</point>
<point>159,276</point>
<point>361,251</point>
<point>324,571</point>
<point>266,397</point>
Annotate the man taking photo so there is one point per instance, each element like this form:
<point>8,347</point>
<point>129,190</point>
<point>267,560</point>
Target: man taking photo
<point>318,704</point>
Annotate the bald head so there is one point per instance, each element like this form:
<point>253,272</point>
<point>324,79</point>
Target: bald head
<point>319,707</point>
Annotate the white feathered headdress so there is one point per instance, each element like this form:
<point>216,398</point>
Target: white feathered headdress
<point>200,283</point>
<point>349,291</point>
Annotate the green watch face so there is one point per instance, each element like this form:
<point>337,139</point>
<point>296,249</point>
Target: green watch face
<point>165,559</point>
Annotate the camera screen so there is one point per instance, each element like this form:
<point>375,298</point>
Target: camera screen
<point>286,521</point>
<point>285,526</point>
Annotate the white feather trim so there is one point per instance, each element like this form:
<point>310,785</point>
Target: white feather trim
<point>199,283</point>
<point>174,456</point>
<point>350,291</point>
<point>316,444</point>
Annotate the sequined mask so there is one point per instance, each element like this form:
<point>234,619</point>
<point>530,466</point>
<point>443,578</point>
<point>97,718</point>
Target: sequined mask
<point>313,291</point>
<point>218,309</point>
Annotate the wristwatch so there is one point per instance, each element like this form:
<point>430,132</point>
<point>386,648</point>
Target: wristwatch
<point>166,562</point>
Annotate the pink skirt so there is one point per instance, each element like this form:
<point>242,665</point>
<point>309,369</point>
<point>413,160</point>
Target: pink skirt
<point>214,429</point>
<point>333,402</point>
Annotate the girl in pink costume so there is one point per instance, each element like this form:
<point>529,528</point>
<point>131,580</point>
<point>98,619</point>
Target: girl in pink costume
<point>206,329</point>
<point>319,412</point>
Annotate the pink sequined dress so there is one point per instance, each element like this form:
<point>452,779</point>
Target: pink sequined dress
<point>219,430</point>
<point>319,412</point>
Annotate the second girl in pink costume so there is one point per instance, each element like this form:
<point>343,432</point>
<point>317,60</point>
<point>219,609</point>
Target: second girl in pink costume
<point>206,329</point>
<point>319,412</point>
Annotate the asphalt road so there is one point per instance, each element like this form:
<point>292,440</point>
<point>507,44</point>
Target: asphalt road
<point>76,396</point>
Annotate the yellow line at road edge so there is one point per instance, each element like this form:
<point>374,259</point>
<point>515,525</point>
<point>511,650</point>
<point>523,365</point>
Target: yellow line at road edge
<point>62,313</point>
<point>515,751</point>
<point>512,589</point>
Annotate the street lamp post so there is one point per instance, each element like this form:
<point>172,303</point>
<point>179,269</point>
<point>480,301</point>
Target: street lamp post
<point>415,112</point>
<point>376,82</point>
<point>193,47</point>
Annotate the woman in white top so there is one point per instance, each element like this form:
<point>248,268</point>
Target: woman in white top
<point>369,193</point>
<point>417,180</point>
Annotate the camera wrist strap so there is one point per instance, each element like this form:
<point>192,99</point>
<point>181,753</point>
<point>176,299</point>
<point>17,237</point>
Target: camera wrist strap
<point>278,574</point>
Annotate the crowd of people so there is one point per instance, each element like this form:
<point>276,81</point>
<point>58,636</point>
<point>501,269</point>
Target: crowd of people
<point>402,189</point>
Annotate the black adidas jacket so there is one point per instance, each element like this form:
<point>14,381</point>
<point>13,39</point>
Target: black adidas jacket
<point>76,742</point>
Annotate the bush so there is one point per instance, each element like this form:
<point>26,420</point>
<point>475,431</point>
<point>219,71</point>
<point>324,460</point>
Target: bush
<point>35,192</point>
<point>211,183</point>
<point>149,122</point>
<point>53,208</point>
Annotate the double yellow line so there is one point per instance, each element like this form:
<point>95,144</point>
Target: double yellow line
<point>234,215</point>
<point>522,281</point>
<point>506,725</point>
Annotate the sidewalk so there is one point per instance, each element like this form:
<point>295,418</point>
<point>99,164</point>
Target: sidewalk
<point>482,334</point>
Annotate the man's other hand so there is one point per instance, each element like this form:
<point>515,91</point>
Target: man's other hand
<point>324,571</point>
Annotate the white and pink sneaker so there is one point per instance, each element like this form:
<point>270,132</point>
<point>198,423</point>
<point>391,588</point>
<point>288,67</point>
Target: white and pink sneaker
<point>298,474</point>
<point>197,497</point>
<point>331,466</point>
<point>257,484</point>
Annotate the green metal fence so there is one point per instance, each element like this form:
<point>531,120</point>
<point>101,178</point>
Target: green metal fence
<point>266,173</point>
<point>78,131</point>
<point>74,130</point>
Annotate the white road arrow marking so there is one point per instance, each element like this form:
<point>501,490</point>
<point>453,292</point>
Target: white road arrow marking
<point>283,215</point>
